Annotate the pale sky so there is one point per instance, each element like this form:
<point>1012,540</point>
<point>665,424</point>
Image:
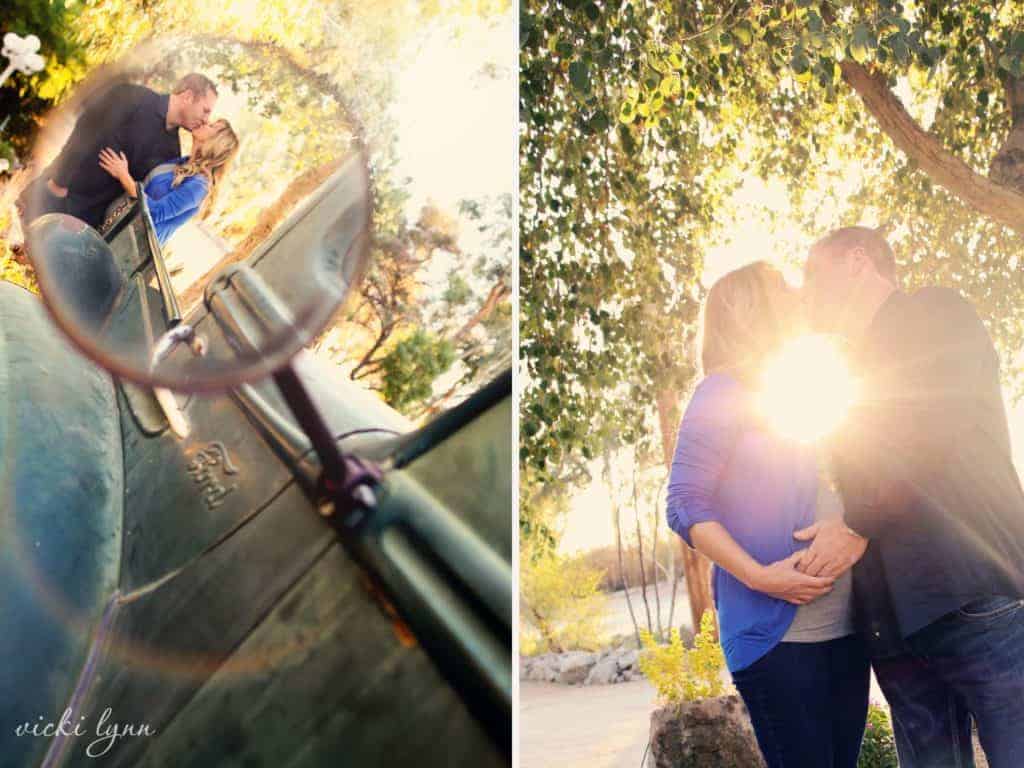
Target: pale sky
<point>456,121</point>
<point>455,114</point>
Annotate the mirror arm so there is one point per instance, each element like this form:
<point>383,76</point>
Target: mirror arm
<point>287,440</point>
<point>345,480</point>
<point>456,614</point>
<point>172,313</point>
<point>433,577</point>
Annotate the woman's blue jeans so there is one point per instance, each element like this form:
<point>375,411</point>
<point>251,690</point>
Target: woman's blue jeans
<point>808,702</point>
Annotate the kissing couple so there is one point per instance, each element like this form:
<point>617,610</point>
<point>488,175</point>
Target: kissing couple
<point>896,544</point>
<point>127,132</point>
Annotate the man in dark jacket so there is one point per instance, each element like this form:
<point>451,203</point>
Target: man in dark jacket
<point>934,507</point>
<point>127,118</point>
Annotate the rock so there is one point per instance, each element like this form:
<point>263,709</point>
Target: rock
<point>624,641</point>
<point>543,668</point>
<point>630,659</point>
<point>605,671</point>
<point>697,734</point>
<point>616,665</point>
<point>574,666</point>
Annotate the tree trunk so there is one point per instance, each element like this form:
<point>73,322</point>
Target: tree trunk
<point>640,548</point>
<point>981,193</point>
<point>383,335</point>
<point>498,292</point>
<point>654,571</point>
<point>675,583</point>
<point>696,567</point>
<point>546,632</point>
<point>298,189</point>
<point>617,522</point>
<point>622,573</point>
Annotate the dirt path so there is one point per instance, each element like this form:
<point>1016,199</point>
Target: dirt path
<point>596,726</point>
<point>592,726</point>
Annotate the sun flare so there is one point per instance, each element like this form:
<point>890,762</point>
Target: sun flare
<point>807,389</point>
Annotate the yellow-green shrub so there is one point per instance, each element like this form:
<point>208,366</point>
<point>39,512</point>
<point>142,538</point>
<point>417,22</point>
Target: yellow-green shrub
<point>683,674</point>
<point>562,607</point>
<point>878,748</point>
<point>11,270</point>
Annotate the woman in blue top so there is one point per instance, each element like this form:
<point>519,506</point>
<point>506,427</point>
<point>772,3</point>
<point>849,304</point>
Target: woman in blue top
<point>738,492</point>
<point>177,195</point>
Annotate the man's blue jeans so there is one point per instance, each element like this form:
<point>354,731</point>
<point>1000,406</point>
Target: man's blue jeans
<point>969,663</point>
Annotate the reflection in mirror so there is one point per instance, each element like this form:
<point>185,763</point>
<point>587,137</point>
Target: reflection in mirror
<point>158,140</point>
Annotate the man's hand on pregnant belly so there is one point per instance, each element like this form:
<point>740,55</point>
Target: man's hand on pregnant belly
<point>782,580</point>
<point>834,549</point>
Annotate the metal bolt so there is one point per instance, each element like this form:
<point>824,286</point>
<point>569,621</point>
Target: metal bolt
<point>364,496</point>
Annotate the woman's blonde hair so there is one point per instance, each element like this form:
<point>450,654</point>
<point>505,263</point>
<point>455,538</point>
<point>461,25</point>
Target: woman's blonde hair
<point>741,326</point>
<point>211,160</point>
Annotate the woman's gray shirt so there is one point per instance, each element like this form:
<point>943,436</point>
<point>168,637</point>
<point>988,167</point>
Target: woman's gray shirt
<point>831,615</point>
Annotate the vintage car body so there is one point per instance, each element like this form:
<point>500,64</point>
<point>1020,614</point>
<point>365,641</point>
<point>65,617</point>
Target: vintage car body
<point>190,585</point>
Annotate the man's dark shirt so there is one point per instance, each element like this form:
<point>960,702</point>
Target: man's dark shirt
<point>127,118</point>
<point>925,471</point>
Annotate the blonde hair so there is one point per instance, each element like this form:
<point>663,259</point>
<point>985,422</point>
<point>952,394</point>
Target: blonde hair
<point>210,160</point>
<point>740,326</point>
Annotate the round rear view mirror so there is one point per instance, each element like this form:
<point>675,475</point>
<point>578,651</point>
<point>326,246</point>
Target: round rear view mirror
<point>151,145</point>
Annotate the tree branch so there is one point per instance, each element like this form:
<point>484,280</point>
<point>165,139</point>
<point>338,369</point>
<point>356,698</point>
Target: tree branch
<point>999,203</point>
<point>498,292</point>
<point>382,336</point>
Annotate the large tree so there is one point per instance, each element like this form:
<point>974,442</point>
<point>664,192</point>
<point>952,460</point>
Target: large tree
<point>921,104</point>
<point>612,221</point>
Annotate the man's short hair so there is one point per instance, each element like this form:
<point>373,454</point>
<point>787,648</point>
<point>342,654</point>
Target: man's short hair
<point>871,240</point>
<point>198,84</point>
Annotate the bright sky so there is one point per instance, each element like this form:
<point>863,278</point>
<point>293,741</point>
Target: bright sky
<point>455,117</point>
<point>455,114</point>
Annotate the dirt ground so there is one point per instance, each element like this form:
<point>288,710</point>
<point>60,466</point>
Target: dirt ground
<point>597,726</point>
<point>592,726</point>
<point>605,726</point>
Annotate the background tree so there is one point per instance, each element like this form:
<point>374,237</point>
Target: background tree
<point>562,607</point>
<point>909,111</point>
<point>612,223</point>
